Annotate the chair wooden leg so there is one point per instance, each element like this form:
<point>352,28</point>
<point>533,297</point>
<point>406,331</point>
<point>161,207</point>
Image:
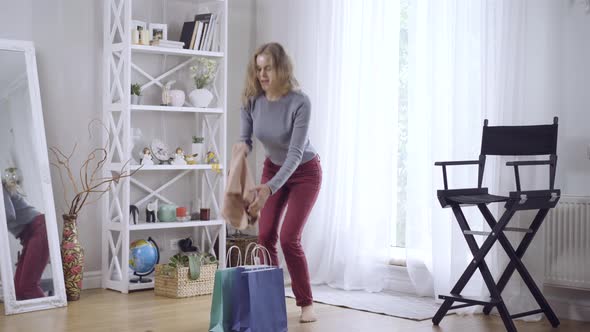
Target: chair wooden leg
<point>441,312</point>
<point>515,260</point>
<point>524,244</point>
<point>505,315</point>
<point>477,263</point>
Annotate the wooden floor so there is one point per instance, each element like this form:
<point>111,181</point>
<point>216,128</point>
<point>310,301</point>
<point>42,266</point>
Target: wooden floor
<point>104,310</point>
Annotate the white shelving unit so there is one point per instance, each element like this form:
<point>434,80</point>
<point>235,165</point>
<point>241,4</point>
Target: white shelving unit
<point>124,63</point>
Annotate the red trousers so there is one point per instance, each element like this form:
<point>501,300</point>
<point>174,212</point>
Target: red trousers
<point>299,193</point>
<point>32,261</point>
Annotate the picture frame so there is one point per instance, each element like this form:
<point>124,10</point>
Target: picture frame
<point>136,24</point>
<point>158,31</point>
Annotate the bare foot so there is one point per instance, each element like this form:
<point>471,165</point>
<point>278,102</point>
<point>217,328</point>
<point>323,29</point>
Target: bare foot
<point>307,314</point>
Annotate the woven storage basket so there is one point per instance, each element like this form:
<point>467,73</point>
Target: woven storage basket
<point>241,241</point>
<point>175,282</point>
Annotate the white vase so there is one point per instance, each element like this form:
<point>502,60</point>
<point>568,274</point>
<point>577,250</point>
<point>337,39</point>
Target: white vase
<point>135,100</point>
<point>200,97</point>
<point>176,97</point>
<point>199,149</point>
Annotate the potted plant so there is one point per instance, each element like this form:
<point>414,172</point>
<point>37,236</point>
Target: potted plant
<point>135,94</point>
<point>198,148</point>
<point>203,73</point>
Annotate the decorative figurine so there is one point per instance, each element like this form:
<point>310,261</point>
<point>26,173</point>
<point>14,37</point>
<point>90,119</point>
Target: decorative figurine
<point>166,99</point>
<point>179,157</point>
<point>150,211</point>
<point>134,213</point>
<point>191,159</point>
<point>211,158</point>
<point>147,157</point>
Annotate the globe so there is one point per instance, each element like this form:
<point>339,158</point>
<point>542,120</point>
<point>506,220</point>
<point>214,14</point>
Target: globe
<point>143,257</point>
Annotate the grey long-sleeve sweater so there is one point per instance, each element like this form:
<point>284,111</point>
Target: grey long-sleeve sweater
<point>282,128</point>
<point>18,212</point>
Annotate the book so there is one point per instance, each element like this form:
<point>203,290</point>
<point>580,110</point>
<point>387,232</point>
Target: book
<point>211,33</point>
<point>205,20</point>
<point>168,43</point>
<point>187,33</point>
<point>196,35</point>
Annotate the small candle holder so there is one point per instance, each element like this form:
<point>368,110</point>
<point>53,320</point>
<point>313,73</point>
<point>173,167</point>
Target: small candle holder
<point>205,214</point>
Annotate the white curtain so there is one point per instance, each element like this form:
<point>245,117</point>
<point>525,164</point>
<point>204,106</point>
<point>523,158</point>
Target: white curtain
<point>346,59</point>
<point>469,60</point>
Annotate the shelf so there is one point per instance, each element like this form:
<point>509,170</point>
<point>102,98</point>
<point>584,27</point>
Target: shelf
<point>173,51</point>
<point>199,167</point>
<point>157,108</point>
<point>127,63</point>
<point>176,224</point>
<point>204,167</point>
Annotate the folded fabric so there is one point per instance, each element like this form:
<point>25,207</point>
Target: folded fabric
<point>238,192</point>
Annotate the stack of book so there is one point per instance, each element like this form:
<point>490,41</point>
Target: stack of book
<point>201,34</point>
<point>168,43</point>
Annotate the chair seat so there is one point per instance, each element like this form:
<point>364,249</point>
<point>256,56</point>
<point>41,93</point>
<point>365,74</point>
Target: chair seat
<point>476,199</point>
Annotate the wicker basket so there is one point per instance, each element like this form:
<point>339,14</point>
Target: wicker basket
<point>175,282</point>
<point>241,241</point>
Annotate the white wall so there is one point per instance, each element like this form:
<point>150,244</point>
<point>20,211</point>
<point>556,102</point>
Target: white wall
<point>573,52</point>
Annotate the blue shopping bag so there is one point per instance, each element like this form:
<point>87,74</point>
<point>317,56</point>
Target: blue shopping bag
<point>259,301</point>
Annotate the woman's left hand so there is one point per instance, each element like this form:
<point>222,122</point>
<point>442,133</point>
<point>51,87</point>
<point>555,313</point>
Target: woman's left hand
<point>262,194</point>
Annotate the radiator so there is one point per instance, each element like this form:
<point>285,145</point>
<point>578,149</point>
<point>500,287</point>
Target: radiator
<point>567,243</point>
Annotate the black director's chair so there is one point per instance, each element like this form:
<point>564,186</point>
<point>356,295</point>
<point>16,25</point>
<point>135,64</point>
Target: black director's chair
<point>502,141</point>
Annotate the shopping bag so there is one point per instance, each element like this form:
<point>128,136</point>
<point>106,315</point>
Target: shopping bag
<point>221,306</point>
<point>239,301</point>
<point>266,296</point>
<point>221,303</point>
<point>258,299</point>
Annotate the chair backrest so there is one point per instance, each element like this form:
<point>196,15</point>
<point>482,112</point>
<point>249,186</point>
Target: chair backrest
<point>519,141</point>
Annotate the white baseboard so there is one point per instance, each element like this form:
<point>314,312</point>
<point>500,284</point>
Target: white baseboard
<point>569,303</point>
<point>572,311</point>
<point>92,280</point>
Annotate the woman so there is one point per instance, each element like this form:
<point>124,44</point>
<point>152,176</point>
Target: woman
<point>28,225</point>
<point>278,114</point>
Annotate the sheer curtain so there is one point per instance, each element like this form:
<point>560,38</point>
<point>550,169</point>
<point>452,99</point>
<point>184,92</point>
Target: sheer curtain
<point>346,59</point>
<point>468,62</point>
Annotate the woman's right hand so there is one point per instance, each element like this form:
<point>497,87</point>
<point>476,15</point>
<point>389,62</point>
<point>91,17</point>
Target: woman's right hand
<point>242,147</point>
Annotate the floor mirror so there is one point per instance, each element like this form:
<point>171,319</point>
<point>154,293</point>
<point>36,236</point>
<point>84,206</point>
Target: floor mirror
<point>30,262</point>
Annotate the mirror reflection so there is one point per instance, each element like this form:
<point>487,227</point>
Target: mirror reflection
<point>22,195</point>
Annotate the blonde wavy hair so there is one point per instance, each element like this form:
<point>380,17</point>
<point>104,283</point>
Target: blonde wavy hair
<point>281,63</point>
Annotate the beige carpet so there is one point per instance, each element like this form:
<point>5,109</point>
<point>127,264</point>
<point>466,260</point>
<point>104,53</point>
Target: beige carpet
<point>395,304</point>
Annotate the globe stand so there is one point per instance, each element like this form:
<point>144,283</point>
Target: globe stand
<point>140,280</point>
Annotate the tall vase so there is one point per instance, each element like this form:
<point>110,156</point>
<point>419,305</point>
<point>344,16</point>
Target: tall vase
<point>72,256</point>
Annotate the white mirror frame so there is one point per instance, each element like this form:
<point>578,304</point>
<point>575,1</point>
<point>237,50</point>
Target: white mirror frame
<point>11,305</point>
